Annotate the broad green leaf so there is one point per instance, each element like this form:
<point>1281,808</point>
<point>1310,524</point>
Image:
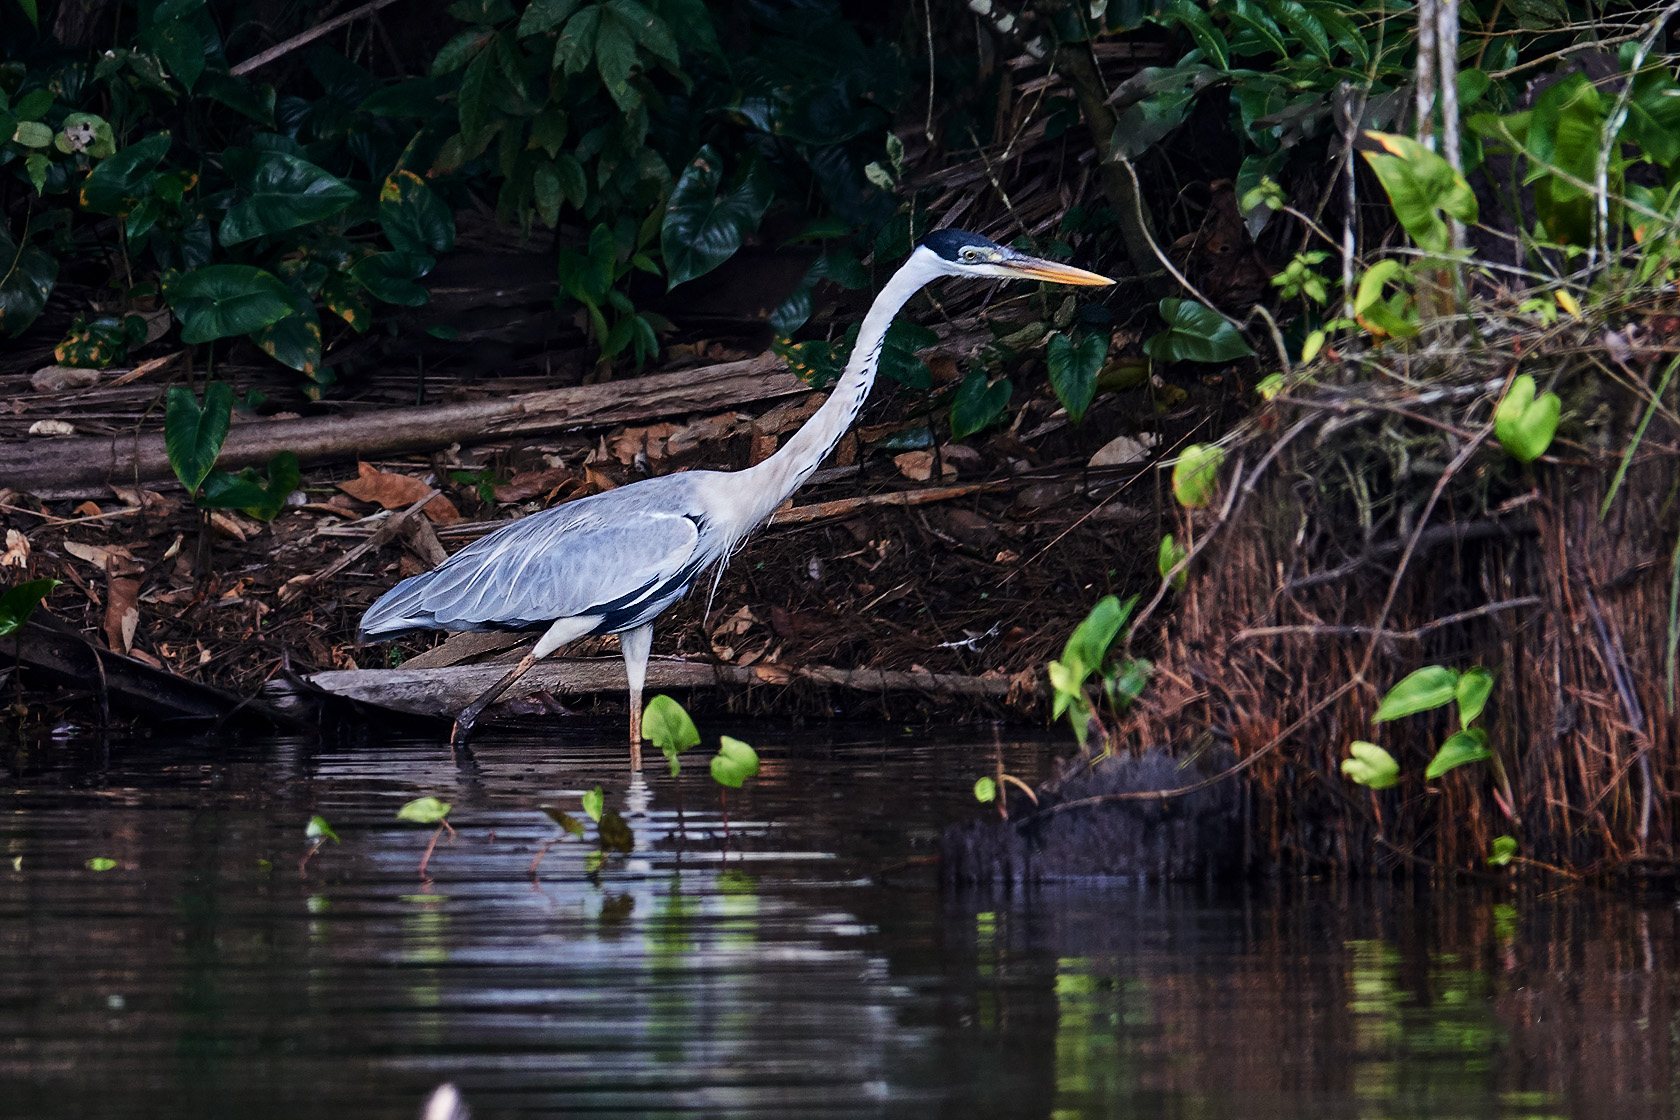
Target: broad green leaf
<point>281,192</point>
<point>1195,333</point>
<point>246,491</point>
<point>424,810</point>
<point>222,300</point>
<point>31,12</point>
<point>27,276</point>
<point>615,833</point>
<point>294,341</point>
<point>978,404</point>
<point>1304,26</point>
<point>1195,477</point>
<point>1206,36</point>
<point>734,763</point>
<point>87,133</point>
<point>985,791</point>
<point>1421,186</point>
<point>1465,746</point>
<point>180,47</point>
<point>1523,423</point>
<point>1370,765</point>
<point>1424,690</point>
<point>1148,120</point>
<point>19,602</point>
<point>1128,681</point>
<point>667,726</point>
<point>565,820</point>
<point>1504,851</point>
<point>1266,35</point>
<point>32,134</point>
<point>1472,692</point>
<point>615,57</point>
<point>1073,370</point>
<point>1169,556</point>
<point>193,436</point>
<point>254,100</point>
<point>898,354</point>
<point>593,802</point>
<point>545,15</point>
<point>650,31</point>
<point>1087,646</point>
<point>120,183</point>
<point>413,217</point>
<point>702,227</point>
<point>575,48</point>
<point>319,831</point>
<point>391,277</point>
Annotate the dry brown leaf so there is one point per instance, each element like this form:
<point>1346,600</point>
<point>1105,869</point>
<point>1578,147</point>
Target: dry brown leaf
<point>131,497</point>
<point>228,525</point>
<point>391,490</point>
<point>650,441</point>
<point>57,379</point>
<point>785,417</point>
<point>710,428</point>
<point>918,466</point>
<point>52,428</point>
<point>144,368</point>
<point>87,509</point>
<point>17,550</point>
<point>107,558</point>
<point>122,612</point>
<point>530,484</point>
<point>1122,450</point>
<point>943,367</point>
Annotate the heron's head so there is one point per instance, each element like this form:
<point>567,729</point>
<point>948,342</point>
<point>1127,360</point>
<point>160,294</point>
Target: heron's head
<point>960,253</point>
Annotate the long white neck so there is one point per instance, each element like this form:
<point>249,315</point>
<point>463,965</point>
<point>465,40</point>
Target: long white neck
<point>767,485</point>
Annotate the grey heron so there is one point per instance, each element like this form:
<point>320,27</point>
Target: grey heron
<point>612,562</point>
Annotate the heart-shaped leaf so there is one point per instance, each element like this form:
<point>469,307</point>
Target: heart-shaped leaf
<point>1428,688</point>
<point>734,763</point>
<point>1195,477</point>
<point>222,300</point>
<point>593,802</point>
<point>27,276</point>
<point>702,227</point>
<point>424,810</point>
<point>1472,693</point>
<point>1073,370</point>
<point>1195,333</point>
<point>1421,186</point>
<point>193,436</point>
<point>898,354</point>
<point>978,405</point>
<point>985,791</point>
<point>391,277</point>
<point>1370,765</point>
<point>250,494</point>
<point>1465,746</point>
<point>19,602</point>
<point>615,833</point>
<point>667,726</point>
<point>1169,556</point>
<point>413,217</point>
<point>281,192</point>
<point>319,831</point>
<point>119,184</point>
<point>1524,423</point>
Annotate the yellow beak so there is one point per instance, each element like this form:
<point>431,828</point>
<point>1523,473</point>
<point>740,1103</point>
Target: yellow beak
<point>1036,268</point>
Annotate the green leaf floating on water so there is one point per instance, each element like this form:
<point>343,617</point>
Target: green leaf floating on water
<point>667,726</point>
<point>101,863</point>
<point>193,436</point>
<point>424,810</point>
<point>734,763</point>
<point>593,802</point>
<point>19,602</point>
<point>1465,746</point>
<point>1524,424</point>
<point>985,791</point>
<point>1370,765</point>
<point>319,831</point>
<point>1430,687</point>
<point>1195,478</point>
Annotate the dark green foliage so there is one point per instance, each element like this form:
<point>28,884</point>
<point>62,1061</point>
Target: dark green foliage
<point>193,436</point>
<point>251,493</point>
<point>19,602</point>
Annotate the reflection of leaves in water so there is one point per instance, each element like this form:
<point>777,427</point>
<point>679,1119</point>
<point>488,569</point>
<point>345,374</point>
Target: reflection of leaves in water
<point>734,881</point>
<point>565,820</point>
<point>616,908</point>
<point>615,833</point>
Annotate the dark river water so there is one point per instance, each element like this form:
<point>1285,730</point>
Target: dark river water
<point>810,966</point>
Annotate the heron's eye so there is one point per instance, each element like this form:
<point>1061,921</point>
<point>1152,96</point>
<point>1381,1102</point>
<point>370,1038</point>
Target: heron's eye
<point>971,254</point>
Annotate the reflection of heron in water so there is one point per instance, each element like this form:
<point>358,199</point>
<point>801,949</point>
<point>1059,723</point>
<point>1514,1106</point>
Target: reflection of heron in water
<point>611,562</point>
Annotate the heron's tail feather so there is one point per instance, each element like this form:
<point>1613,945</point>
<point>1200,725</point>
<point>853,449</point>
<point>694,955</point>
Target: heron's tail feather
<point>399,609</point>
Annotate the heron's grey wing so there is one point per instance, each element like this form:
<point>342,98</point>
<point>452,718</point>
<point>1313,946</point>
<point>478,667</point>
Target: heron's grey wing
<point>586,558</point>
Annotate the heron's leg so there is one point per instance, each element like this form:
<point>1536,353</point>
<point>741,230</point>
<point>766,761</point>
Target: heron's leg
<point>636,644</point>
<point>557,635</point>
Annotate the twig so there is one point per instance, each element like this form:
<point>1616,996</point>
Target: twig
<point>1417,634</point>
<point>392,528</point>
<point>307,37</point>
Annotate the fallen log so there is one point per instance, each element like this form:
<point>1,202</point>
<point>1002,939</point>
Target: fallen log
<point>81,465</point>
<point>445,691</point>
<point>128,683</point>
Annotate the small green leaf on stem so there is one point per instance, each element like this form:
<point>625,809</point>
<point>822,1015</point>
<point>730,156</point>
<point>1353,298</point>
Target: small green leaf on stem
<point>1370,765</point>
<point>1428,688</point>
<point>1504,850</point>
<point>593,802</point>
<point>1460,748</point>
<point>424,810</point>
<point>319,831</point>
<point>985,791</point>
<point>734,763</point>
